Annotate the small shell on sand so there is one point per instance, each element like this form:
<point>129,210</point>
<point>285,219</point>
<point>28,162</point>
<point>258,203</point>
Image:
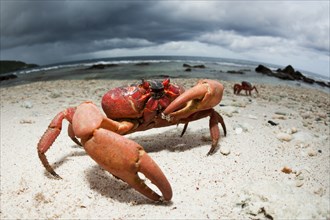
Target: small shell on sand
<point>286,170</point>
<point>238,130</point>
<point>284,136</point>
<point>252,117</point>
<point>225,150</point>
<point>282,117</point>
<point>299,183</point>
<point>27,104</point>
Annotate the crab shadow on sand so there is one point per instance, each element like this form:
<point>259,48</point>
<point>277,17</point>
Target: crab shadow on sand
<point>107,185</point>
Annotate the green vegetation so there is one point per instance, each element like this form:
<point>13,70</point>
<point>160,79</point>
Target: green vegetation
<point>7,66</point>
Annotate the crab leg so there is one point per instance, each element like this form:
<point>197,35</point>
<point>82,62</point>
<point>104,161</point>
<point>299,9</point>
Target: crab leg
<point>52,132</point>
<point>215,119</point>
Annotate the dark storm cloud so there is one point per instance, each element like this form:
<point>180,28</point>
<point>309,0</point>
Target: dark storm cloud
<point>42,22</point>
<point>52,31</point>
<point>82,22</point>
<point>79,22</point>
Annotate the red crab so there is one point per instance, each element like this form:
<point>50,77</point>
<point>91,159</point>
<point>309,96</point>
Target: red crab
<point>151,104</point>
<point>244,86</point>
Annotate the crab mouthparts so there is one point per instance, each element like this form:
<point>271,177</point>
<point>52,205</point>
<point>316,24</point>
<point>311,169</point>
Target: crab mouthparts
<point>157,89</point>
<point>157,93</point>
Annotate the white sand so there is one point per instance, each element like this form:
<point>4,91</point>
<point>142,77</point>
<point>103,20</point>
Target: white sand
<point>246,183</point>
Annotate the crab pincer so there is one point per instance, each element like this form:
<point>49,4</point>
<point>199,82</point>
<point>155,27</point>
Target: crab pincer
<point>118,155</point>
<point>197,103</point>
<point>124,159</point>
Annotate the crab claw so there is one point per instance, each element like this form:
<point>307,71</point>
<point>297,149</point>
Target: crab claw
<point>125,159</point>
<point>118,155</point>
<point>205,95</point>
<point>197,103</point>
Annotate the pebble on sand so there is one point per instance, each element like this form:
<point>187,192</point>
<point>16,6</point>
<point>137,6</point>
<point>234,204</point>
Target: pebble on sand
<point>284,136</point>
<point>26,121</point>
<point>306,115</point>
<point>27,104</point>
<point>252,117</point>
<point>280,113</point>
<point>55,95</point>
<point>229,110</point>
<point>294,130</point>
<point>311,152</point>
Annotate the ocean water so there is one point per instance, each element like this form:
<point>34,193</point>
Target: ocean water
<point>146,67</point>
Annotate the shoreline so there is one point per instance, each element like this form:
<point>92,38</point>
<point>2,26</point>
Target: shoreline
<point>258,170</point>
<point>131,69</point>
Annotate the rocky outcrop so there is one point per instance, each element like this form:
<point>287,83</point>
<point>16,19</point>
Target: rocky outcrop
<point>289,73</point>
<point>264,70</point>
<point>7,77</point>
<point>321,83</point>
<point>7,66</point>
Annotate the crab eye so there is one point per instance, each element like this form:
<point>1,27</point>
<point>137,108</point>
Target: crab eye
<point>166,82</point>
<point>145,84</point>
<point>156,85</point>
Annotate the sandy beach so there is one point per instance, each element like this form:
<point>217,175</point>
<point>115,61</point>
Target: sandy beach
<point>259,171</point>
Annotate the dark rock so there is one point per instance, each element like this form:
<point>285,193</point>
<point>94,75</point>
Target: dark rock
<point>283,76</point>
<point>195,66</point>
<point>142,64</point>
<point>188,70</point>
<point>235,72</point>
<point>7,77</point>
<point>163,76</point>
<point>298,75</point>
<point>199,66</point>
<point>97,66</point>
<point>321,83</point>
<point>272,123</point>
<point>102,66</point>
<point>290,74</point>
<point>264,70</point>
<point>308,80</point>
<point>288,70</point>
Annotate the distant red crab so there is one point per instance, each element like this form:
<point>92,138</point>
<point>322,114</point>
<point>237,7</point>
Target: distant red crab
<point>150,104</point>
<point>244,86</point>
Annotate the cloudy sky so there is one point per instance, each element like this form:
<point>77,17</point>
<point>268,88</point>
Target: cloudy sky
<point>277,32</point>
